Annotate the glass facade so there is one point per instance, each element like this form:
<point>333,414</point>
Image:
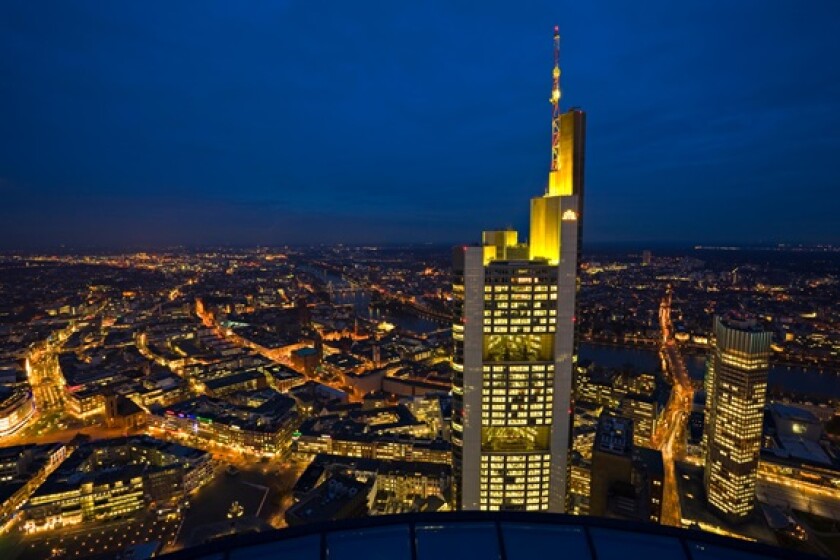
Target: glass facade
<point>737,390</point>
<point>517,398</point>
<point>514,352</point>
<point>514,342</point>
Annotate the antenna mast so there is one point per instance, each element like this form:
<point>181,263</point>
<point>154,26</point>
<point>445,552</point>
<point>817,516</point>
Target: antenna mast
<point>555,102</point>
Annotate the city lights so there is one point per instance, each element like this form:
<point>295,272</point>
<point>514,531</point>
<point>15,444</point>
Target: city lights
<point>246,312</point>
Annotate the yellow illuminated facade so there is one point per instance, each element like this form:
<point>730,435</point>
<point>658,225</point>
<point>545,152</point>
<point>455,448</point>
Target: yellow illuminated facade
<point>565,181</point>
<point>514,344</point>
<point>736,386</point>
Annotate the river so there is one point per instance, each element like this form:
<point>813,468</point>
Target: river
<point>360,299</point>
<point>788,379</point>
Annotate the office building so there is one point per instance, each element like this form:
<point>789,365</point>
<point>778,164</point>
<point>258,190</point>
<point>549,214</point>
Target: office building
<point>736,390</point>
<point>612,462</point>
<point>696,425</point>
<point>643,410</point>
<point>23,468</point>
<point>110,479</point>
<point>255,422</point>
<point>338,497</point>
<point>514,343</point>
<point>398,486</point>
<point>627,482</point>
<point>390,433</point>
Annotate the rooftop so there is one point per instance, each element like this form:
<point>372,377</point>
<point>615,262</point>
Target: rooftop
<point>741,321</point>
<point>794,413</point>
<point>615,435</point>
<point>507,535</point>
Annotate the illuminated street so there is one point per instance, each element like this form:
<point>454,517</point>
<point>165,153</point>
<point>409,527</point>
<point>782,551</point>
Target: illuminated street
<point>670,433</point>
<point>417,280</point>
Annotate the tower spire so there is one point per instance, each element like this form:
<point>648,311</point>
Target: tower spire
<point>555,103</point>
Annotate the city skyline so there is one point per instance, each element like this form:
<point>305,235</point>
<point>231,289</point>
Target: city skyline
<point>303,385</point>
<point>245,303</point>
<point>686,110</point>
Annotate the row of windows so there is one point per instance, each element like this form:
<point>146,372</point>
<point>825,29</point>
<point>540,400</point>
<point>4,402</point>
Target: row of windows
<point>512,461</point>
<point>516,297</point>
<point>519,369</point>
<point>534,492</point>
<point>518,329</point>
<point>522,381</point>
<point>499,392</point>
<point>496,276</point>
<point>509,422</point>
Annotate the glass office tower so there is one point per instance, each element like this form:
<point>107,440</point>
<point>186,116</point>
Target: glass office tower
<point>515,347</point>
<point>736,391</point>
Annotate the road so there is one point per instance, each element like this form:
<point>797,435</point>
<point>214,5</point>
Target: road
<point>281,357</point>
<point>669,436</point>
<point>45,377</point>
<point>52,422</point>
<point>47,383</point>
<point>65,435</point>
<point>44,374</point>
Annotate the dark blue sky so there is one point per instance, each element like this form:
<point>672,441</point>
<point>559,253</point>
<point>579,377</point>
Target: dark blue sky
<point>260,123</point>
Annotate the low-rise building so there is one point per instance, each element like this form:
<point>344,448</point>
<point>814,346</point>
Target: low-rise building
<point>365,382</point>
<point>306,359</point>
<point>23,468</point>
<point>338,497</point>
<point>389,433</point>
<point>16,408</point>
<point>402,483</point>
<point>259,422</point>
<point>114,478</point>
<point>282,378</point>
<point>248,380</point>
<point>161,388</point>
<point>86,401</point>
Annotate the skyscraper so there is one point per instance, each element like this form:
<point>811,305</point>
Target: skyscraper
<point>736,390</point>
<point>612,460</point>
<point>514,342</point>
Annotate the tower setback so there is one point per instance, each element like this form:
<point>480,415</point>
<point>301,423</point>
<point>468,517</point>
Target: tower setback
<point>514,342</point>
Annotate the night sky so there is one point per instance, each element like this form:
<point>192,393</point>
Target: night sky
<point>157,123</point>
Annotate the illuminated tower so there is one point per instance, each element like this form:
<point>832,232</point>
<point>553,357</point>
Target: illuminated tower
<point>736,388</point>
<point>514,342</point>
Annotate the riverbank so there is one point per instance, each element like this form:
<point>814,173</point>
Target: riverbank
<point>781,378</point>
<point>694,351</point>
